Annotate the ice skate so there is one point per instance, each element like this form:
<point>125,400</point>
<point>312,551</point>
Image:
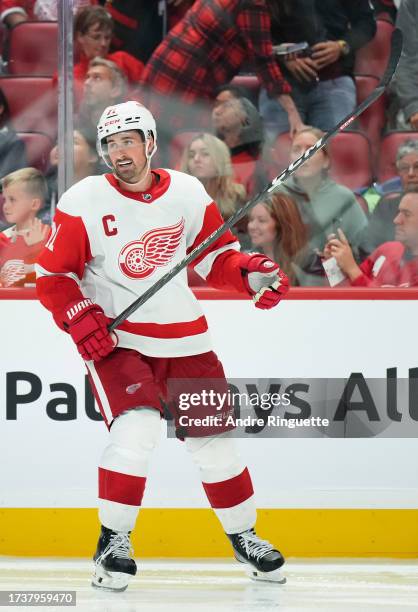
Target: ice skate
<point>263,561</point>
<point>113,564</point>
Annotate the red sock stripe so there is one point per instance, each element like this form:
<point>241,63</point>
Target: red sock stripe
<point>231,492</point>
<point>122,488</point>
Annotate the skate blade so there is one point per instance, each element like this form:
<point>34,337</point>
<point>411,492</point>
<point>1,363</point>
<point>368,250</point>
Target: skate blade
<point>273,576</point>
<point>110,581</point>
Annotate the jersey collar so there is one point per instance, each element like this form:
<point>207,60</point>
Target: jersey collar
<point>160,184</point>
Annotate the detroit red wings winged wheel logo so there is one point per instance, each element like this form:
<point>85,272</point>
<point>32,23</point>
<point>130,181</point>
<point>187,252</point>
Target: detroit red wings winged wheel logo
<point>157,247</point>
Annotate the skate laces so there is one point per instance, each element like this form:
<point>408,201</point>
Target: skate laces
<point>254,546</point>
<point>119,545</point>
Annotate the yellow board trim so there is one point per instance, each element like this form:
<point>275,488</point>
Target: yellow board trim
<point>177,532</point>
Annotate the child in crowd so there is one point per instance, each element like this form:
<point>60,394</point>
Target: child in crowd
<point>24,194</point>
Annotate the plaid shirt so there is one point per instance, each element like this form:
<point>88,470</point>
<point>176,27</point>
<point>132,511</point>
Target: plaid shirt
<point>209,45</point>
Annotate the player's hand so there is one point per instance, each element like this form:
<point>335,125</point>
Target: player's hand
<point>87,325</point>
<point>264,280</point>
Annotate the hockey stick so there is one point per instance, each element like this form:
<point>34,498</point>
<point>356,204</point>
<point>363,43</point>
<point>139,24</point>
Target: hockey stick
<point>395,52</point>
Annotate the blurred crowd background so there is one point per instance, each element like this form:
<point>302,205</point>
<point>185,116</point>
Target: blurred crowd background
<point>239,89</point>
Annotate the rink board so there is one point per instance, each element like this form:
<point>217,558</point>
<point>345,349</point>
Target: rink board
<point>304,486</point>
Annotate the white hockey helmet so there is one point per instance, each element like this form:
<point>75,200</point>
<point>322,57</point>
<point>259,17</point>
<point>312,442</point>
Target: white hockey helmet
<point>122,117</point>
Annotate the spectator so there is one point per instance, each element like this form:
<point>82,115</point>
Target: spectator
<point>276,229</point>
<point>238,123</point>
<point>381,228</point>
<point>323,88</point>
<point>86,163</point>
<point>13,12</point>
<point>104,84</point>
<point>208,159</point>
<point>12,149</point>
<point>405,83</point>
<point>140,25</point>
<point>324,205</point>
<point>24,194</point>
<point>228,92</point>
<point>93,29</point>
<point>206,49</point>
<point>392,264</point>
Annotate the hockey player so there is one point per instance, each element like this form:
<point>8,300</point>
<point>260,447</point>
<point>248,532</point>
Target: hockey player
<point>114,236</point>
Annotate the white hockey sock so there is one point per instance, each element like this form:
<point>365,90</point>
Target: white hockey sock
<point>124,466</point>
<point>225,479</point>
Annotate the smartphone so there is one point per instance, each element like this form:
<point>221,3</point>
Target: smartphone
<point>291,49</point>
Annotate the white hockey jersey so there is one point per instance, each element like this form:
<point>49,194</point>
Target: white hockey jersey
<point>111,245</point>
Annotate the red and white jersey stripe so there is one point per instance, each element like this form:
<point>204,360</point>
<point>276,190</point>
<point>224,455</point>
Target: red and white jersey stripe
<point>111,245</point>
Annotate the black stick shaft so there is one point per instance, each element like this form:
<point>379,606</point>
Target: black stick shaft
<point>396,48</point>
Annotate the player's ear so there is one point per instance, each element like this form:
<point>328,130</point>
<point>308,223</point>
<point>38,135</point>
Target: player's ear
<point>150,145</point>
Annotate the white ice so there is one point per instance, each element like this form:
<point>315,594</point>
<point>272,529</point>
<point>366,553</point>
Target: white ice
<point>222,586</point>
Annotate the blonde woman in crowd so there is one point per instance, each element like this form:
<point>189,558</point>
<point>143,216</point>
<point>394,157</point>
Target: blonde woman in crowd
<point>208,159</point>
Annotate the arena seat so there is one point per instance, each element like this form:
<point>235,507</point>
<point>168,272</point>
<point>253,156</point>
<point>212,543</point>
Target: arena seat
<point>177,145</point>
<point>388,150</point>
<point>373,57</point>
<point>33,48</point>
<point>32,102</point>
<point>350,154</point>
<point>373,119</point>
<point>38,147</point>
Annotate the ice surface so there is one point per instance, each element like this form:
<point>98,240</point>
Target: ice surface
<point>222,586</point>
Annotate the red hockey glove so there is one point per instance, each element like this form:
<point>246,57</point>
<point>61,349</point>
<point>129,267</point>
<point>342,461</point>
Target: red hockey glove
<point>87,325</point>
<point>264,280</point>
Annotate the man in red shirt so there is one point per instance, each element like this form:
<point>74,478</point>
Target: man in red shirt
<point>393,264</point>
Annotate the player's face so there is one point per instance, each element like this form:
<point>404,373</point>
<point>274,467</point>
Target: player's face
<point>127,155</point>
<point>98,85</point>
<point>95,42</point>
<point>200,162</point>
<point>316,164</point>
<point>406,221</point>
<point>18,205</point>
<point>408,171</point>
<point>261,226</point>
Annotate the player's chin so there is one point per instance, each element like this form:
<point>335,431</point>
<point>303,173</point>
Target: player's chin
<point>129,175</point>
